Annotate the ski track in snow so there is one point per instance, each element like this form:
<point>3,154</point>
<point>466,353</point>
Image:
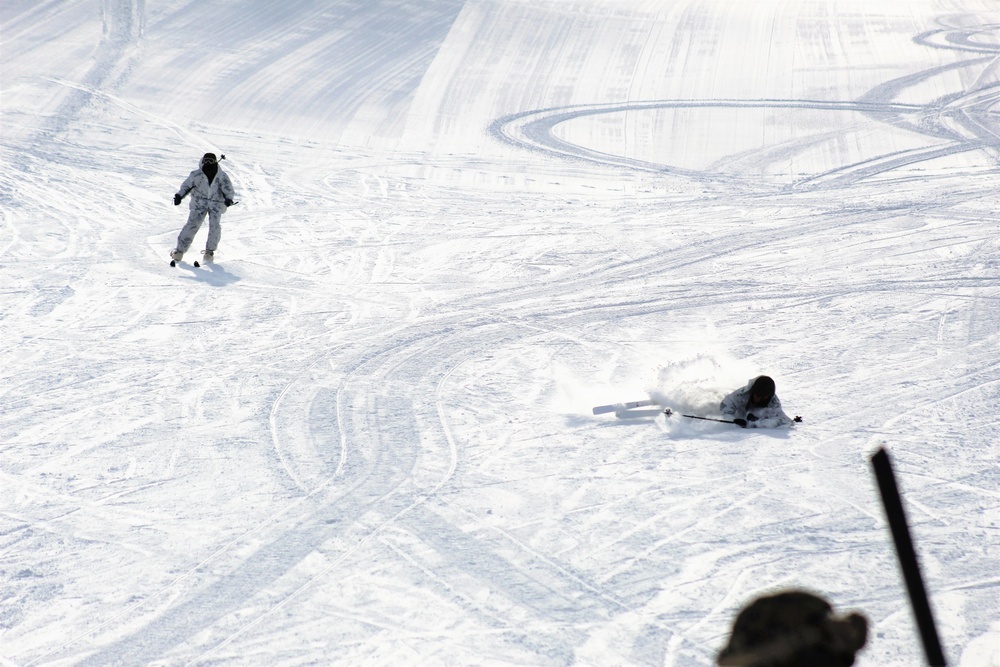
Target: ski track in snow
<point>364,437</point>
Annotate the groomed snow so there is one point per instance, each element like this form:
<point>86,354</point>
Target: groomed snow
<point>364,436</point>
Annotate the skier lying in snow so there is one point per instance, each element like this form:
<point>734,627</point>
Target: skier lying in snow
<point>756,405</point>
<point>211,194</point>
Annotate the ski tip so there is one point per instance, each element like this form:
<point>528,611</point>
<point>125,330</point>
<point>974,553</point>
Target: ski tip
<point>197,264</point>
<point>173,263</point>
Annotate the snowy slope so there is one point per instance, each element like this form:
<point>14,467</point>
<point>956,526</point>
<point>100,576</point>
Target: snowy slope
<point>365,435</point>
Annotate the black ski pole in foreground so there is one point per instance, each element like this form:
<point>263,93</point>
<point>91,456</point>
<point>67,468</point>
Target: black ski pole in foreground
<point>893,505</point>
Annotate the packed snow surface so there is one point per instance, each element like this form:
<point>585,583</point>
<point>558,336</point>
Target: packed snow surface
<point>364,436</point>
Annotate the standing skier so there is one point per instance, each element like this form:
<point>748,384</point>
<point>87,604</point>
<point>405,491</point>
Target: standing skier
<point>756,405</point>
<point>211,194</point>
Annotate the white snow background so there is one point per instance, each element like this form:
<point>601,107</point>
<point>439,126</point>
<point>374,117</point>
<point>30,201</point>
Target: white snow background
<point>365,437</point>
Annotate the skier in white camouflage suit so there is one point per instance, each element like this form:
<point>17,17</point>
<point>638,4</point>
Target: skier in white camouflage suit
<point>211,194</point>
<point>756,405</point>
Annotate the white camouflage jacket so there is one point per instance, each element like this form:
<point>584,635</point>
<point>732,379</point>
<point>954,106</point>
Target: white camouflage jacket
<point>734,406</point>
<point>205,195</point>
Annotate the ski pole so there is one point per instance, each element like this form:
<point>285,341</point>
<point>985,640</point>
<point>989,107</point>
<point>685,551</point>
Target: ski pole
<point>921,606</point>
<point>669,412</point>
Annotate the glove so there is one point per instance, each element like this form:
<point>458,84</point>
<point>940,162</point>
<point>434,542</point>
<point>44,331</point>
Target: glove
<point>751,417</point>
<point>797,420</point>
<point>742,423</point>
<point>177,200</point>
<point>229,202</point>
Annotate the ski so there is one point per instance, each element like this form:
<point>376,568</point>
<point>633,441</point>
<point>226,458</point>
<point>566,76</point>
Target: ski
<point>621,407</point>
<point>173,263</point>
<point>638,414</point>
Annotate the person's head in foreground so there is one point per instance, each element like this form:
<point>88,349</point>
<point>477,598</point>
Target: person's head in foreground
<point>793,629</point>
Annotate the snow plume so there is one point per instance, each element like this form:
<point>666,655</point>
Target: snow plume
<point>697,385</point>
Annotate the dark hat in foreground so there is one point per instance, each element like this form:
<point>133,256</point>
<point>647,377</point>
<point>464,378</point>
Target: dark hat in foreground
<point>793,629</point>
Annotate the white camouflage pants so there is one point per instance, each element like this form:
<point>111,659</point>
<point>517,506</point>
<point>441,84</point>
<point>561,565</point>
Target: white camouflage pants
<point>195,219</point>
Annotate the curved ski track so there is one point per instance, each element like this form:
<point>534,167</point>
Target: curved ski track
<point>965,122</point>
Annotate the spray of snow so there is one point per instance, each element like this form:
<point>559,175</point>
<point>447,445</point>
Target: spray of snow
<point>696,385</point>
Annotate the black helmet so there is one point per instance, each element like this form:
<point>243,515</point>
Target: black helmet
<point>762,391</point>
<point>208,158</point>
